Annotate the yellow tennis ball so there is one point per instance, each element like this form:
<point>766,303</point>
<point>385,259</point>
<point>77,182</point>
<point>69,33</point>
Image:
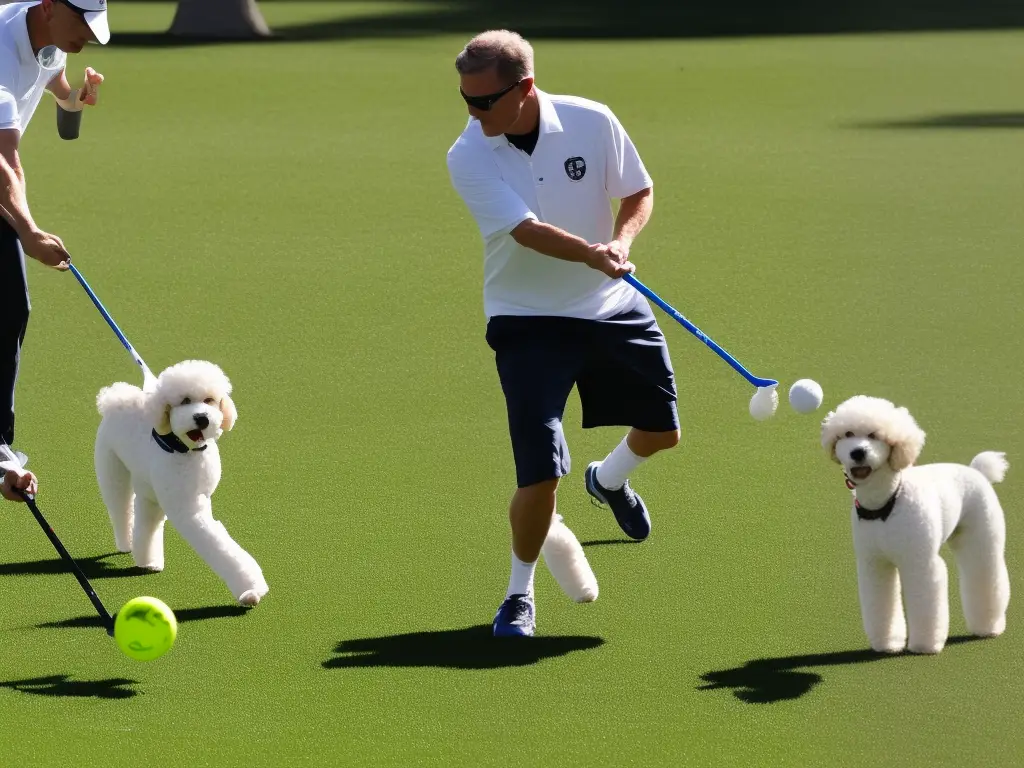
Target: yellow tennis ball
<point>145,628</point>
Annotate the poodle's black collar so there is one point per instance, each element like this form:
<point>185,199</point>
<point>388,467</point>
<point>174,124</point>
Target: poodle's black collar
<point>171,443</point>
<point>883,512</point>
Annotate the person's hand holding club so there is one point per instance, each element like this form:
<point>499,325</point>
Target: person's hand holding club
<point>605,260</point>
<point>46,248</point>
<point>15,480</point>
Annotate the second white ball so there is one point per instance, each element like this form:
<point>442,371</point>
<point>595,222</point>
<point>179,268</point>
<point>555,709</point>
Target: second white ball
<point>805,396</point>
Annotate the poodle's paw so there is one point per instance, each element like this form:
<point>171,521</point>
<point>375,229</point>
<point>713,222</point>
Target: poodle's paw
<point>251,597</point>
<point>124,547</point>
<point>929,648</point>
<point>151,564</point>
<point>990,629</point>
<point>889,646</point>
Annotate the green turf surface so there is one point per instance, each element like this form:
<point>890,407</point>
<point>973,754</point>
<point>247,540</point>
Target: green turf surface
<point>284,210</point>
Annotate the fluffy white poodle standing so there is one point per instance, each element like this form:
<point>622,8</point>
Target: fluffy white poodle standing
<point>157,459</point>
<point>902,515</point>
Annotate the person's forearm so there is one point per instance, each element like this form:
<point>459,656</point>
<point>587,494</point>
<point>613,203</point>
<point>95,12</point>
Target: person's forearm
<point>12,197</point>
<point>551,241</point>
<point>634,213</point>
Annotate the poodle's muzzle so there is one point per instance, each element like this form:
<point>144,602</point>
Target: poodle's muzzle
<point>198,422</point>
<point>860,456</point>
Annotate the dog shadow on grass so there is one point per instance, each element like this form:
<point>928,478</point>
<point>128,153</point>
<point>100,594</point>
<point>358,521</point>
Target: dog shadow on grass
<point>468,648</point>
<point>182,615</point>
<point>95,567</point>
<point>767,681</point>
<point>64,686</point>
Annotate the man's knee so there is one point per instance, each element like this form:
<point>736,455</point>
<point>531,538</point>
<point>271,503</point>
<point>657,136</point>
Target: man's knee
<point>647,443</point>
<point>539,491</point>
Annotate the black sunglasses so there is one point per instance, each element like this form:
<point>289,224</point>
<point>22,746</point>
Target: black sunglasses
<point>484,103</point>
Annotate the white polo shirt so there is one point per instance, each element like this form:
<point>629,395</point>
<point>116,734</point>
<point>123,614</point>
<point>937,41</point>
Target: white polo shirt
<point>582,160</point>
<point>22,79</point>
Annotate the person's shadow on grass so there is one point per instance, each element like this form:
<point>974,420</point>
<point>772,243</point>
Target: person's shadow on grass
<point>63,685</point>
<point>467,648</point>
<point>767,681</point>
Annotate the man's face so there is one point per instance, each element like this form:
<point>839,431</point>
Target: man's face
<point>68,29</point>
<point>495,103</point>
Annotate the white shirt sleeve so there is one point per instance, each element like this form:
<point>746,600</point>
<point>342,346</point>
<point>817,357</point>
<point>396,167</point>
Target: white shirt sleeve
<point>494,205</point>
<point>9,117</point>
<point>626,174</point>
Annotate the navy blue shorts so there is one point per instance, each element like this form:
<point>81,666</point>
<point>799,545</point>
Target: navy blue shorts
<point>619,366</point>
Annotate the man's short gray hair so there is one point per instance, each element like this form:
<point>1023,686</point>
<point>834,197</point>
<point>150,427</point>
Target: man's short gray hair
<point>507,52</point>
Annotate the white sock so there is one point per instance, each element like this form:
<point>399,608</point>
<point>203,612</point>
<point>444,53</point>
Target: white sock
<point>520,582</point>
<point>617,467</point>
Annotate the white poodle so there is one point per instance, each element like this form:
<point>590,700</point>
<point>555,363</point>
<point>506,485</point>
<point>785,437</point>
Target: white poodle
<point>902,515</point>
<point>157,459</point>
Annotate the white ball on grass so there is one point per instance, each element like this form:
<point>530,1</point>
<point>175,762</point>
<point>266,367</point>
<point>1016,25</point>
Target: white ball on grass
<point>764,402</point>
<point>805,396</point>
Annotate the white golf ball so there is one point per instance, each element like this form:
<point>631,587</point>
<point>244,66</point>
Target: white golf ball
<point>805,396</point>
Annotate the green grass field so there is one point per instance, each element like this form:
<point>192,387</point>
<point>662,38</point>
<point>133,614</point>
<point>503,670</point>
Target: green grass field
<point>284,210</point>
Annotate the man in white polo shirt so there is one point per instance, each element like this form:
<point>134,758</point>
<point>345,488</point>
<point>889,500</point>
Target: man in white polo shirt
<point>538,173</point>
<point>34,40</point>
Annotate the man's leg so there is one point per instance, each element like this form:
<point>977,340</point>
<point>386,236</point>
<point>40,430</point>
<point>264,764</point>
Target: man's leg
<point>530,515</point>
<point>534,357</point>
<point>14,311</point>
<point>629,381</point>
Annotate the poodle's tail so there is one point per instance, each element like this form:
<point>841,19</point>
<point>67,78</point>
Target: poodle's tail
<point>992,464</point>
<point>118,396</point>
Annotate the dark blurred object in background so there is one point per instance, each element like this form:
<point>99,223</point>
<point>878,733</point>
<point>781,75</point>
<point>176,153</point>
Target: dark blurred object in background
<point>197,20</point>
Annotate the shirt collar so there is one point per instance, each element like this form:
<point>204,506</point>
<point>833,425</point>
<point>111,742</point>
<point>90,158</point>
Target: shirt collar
<point>549,122</point>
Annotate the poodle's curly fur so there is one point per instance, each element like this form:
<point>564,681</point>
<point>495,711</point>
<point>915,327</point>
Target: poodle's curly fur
<point>147,478</point>
<point>897,553</point>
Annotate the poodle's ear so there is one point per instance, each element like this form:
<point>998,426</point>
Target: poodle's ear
<point>163,426</point>
<point>230,413</point>
<point>829,438</point>
<point>906,445</point>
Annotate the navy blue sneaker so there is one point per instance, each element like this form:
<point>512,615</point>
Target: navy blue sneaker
<point>628,508</point>
<point>515,617</point>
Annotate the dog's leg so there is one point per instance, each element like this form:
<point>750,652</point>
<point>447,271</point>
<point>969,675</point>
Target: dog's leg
<point>148,535</point>
<point>568,564</point>
<point>926,591</point>
<point>115,483</point>
<point>984,581</point>
<point>211,541</point>
<point>878,582</point>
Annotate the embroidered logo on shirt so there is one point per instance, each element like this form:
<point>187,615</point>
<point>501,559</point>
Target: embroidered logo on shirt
<point>575,168</point>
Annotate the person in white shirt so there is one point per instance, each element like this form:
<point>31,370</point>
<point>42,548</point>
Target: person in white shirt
<point>34,40</point>
<point>538,173</point>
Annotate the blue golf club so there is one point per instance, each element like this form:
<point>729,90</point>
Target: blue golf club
<point>756,381</point>
<point>147,374</point>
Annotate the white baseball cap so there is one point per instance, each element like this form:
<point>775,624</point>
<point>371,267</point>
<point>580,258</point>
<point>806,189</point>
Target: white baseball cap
<point>95,14</point>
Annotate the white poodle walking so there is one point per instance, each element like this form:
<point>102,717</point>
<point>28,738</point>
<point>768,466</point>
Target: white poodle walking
<point>902,515</point>
<point>157,459</point>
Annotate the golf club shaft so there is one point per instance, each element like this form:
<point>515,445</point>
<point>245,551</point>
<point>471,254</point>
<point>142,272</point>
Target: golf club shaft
<point>110,321</point>
<point>678,317</point>
<point>108,621</point>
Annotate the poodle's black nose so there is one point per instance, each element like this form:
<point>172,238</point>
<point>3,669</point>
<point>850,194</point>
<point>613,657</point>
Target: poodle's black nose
<point>857,454</point>
<point>202,422</point>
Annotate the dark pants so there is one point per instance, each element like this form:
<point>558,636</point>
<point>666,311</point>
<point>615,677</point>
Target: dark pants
<point>620,367</point>
<point>14,310</point>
